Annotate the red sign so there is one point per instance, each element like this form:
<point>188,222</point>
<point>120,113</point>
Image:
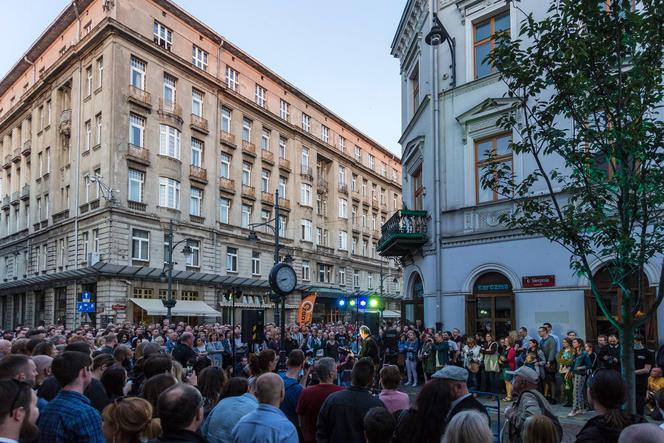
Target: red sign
<point>539,281</point>
<point>119,307</point>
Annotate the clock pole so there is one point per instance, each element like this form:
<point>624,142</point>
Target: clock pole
<point>282,317</point>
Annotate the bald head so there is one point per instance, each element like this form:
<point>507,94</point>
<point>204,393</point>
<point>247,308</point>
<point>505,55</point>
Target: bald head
<point>43,364</point>
<point>5,347</point>
<point>643,433</point>
<point>270,389</point>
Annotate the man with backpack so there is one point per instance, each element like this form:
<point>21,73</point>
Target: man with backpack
<point>529,402</point>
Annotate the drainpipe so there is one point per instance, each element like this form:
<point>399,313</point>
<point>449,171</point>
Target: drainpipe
<point>437,191</point>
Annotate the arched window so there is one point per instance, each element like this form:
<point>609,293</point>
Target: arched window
<point>491,305</point>
<point>412,309</point>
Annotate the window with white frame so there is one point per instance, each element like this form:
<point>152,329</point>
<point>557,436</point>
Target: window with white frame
<point>305,195</point>
<point>343,240</point>
<point>343,208</point>
<point>341,276</point>
<point>283,182</point>
<point>95,240</point>
<point>169,193</point>
<point>255,263</point>
<point>319,204</point>
<point>369,280</point>
<point>306,270</point>
<point>169,141</point>
<point>194,259</point>
<point>353,245</point>
<point>356,278</point>
<point>224,210</point>
<point>353,183</point>
<point>282,147</point>
<point>225,165</point>
<point>98,129</point>
<point>195,202</point>
<point>88,135</point>
<point>197,102</point>
<point>342,144</point>
<point>319,236</point>
<point>283,224</point>
<point>306,230</point>
<point>342,175</point>
<point>135,186</point>
<point>358,154</point>
<point>245,219</point>
<point>162,35</point>
<point>225,119</point>
<point>260,96</point>
<point>47,152</point>
<point>199,58</point>
<point>353,214</point>
<point>306,122</point>
<point>265,180</point>
<point>196,152</point>
<point>137,74</point>
<point>265,215</point>
<point>324,133</point>
<point>231,259</point>
<point>170,89</point>
<point>372,162</point>
<point>88,81</point>
<point>136,129</point>
<point>265,139</point>
<point>246,174</point>
<point>305,157</point>
<point>246,129</point>
<point>364,248</point>
<point>100,71</point>
<point>232,78</point>
<point>49,112</point>
<point>284,110</point>
<point>383,169</point>
<point>324,273</point>
<point>140,245</point>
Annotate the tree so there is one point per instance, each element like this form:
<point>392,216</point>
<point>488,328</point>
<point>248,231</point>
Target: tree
<point>586,85</point>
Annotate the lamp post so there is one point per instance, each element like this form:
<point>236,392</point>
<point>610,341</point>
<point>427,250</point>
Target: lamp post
<point>253,237</point>
<point>170,302</point>
<point>435,37</point>
<point>381,295</point>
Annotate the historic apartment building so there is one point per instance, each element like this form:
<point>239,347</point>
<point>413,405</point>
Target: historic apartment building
<point>461,267</point>
<point>126,115</point>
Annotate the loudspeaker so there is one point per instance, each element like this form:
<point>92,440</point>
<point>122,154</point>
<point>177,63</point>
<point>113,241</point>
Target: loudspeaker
<point>372,320</point>
<point>253,326</point>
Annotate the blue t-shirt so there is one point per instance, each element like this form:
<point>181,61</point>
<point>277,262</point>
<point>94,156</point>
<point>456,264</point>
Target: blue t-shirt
<point>293,390</point>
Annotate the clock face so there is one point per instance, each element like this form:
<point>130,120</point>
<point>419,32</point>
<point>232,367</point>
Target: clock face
<point>283,279</point>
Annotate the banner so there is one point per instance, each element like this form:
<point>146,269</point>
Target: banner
<point>305,312</point>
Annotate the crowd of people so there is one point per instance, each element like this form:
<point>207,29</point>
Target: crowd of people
<point>337,383</point>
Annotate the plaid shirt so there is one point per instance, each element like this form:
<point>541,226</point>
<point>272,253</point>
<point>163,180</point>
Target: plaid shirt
<point>69,418</point>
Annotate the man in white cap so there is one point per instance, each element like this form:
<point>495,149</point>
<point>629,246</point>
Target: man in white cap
<point>529,402</point>
<point>462,400</point>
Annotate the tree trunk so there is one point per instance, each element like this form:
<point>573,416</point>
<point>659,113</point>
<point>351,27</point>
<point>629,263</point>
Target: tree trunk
<point>627,362</point>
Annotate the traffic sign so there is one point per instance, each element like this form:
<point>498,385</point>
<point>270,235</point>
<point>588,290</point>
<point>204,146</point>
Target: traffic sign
<point>85,307</point>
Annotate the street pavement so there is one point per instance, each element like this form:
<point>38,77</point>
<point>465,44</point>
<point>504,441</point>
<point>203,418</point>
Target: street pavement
<point>571,425</point>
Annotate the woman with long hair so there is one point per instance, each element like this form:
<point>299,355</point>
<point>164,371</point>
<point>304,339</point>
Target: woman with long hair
<point>154,386</point>
<point>114,380</point>
<point>261,363</point>
<point>211,382</point>
<point>472,361</point>
<point>426,421</point>
<point>129,420</point>
<point>539,429</point>
<point>579,370</point>
<point>535,359</point>
<point>508,360</point>
<point>565,360</point>
<point>468,426</point>
<point>215,349</point>
<point>606,393</point>
<point>410,348</point>
<point>490,357</point>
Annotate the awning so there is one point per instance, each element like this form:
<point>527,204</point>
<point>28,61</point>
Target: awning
<point>185,308</point>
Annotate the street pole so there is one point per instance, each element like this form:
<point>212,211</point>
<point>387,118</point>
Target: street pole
<point>170,303</point>
<point>277,222</point>
<point>382,301</point>
<point>233,325</point>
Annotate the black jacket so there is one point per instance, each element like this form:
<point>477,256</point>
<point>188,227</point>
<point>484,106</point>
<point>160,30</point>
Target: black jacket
<point>181,436</point>
<point>184,355</point>
<point>597,430</point>
<point>95,392</point>
<point>467,404</point>
<point>341,418</point>
<point>369,348</point>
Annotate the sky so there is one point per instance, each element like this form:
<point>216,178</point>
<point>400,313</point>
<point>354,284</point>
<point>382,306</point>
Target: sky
<point>336,51</point>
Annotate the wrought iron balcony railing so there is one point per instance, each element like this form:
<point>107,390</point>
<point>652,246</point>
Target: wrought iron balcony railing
<point>403,233</point>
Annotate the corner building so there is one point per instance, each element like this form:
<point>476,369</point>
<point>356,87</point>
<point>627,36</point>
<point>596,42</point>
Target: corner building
<point>125,116</point>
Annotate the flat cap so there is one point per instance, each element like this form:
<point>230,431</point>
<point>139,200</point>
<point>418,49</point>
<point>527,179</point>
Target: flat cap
<point>524,371</point>
<point>451,372</point>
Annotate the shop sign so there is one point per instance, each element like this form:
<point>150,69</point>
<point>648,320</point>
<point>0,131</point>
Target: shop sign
<point>539,281</point>
<point>493,287</point>
<point>119,307</point>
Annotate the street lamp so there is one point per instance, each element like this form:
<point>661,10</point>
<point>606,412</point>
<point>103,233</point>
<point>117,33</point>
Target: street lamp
<point>435,37</point>
<point>253,238</point>
<point>170,302</point>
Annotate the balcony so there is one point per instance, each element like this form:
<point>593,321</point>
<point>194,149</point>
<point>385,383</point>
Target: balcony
<point>321,185</point>
<point>306,173</point>
<point>249,192</point>
<point>248,148</point>
<point>267,198</point>
<point>137,206</point>
<point>57,217</point>
<point>324,250</point>
<point>227,139</point>
<point>16,158</point>
<point>65,122</point>
<point>7,164</point>
<point>284,164</point>
<point>138,154</point>
<point>343,188</point>
<point>226,184</point>
<point>139,97</point>
<point>356,196</point>
<point>199,124</point>
<point>5,202</point>
<point>170,108</point>
<point>198,174</point>
<point>27,148</point>
<point>403,233</point>
<point>284,203</point>
<point>15,198</point>
<point>25,192</point>
<point>267,156</point>
<point>197,219</point>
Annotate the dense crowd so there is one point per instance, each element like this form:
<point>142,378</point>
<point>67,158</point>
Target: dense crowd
<point>339,383</point>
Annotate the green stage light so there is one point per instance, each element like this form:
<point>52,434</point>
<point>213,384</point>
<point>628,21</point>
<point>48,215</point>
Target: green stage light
<point>352,302</point>
<point>373,302</point>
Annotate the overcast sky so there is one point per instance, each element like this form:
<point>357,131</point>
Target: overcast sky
<point>337,51</point>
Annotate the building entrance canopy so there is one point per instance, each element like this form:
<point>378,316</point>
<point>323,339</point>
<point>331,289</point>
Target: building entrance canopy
<point>184,308</point>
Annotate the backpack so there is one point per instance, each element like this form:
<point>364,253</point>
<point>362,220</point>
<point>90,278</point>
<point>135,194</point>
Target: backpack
<point>515,435</point>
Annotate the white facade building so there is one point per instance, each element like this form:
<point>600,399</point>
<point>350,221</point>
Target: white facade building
<point>461,268</point>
